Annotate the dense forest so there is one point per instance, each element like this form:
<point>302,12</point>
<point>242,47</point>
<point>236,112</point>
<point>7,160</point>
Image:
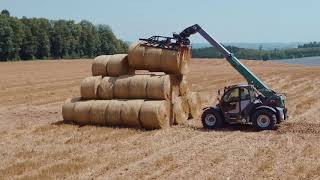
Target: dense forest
<point>40,38</point>
<point>305,50</point>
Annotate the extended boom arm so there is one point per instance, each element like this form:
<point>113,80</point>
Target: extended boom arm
<point>243,70</point>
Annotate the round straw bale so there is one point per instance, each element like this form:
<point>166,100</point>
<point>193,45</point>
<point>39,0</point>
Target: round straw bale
<point>136,56</point>
<point>99,65</point>
<point>121,87</point>
<point>155,114</point>
<point>138,86</point>
<point>106,87</point>
<point>82,112</point>
<point>89,87</point>
<point>158,87</point>
<point>118,65</point>
<point>170,61</point>
<point>68,109</point>
<point>113,113</point>
<point>152,59</point>
<point>194,103</point>
<point>97,112</point>
<point>180,111</point>
<point>130,113</point>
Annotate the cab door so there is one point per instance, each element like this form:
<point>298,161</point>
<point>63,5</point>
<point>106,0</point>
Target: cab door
<point>230,104</point>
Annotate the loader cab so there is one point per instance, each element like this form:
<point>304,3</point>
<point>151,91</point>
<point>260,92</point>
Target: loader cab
<point>236,101</point>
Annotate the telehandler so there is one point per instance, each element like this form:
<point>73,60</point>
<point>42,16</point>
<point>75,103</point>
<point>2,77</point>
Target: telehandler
<point>253,103</point>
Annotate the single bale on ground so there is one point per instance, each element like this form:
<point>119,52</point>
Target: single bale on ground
<point>98,112</point>
<point>138,86</point>
<point>130,113</point>
<point>136,56</point>
<point>82,112</point>
<point>180,110</point>
<point>194,103</point>
<point>113,113</point>
<point>118,65</point>
<point>121,87</point>
<point>89,87</point>
<point>106,88</point>
<point>68,109</point>
<point>158,87</point>
<point>155,114</point>
<point>99,65</point>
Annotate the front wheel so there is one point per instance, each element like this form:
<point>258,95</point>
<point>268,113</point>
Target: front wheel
<point>211,119</point>
<point>264,120</point>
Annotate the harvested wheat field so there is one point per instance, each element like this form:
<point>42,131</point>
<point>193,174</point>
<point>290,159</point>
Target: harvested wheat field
<point>35,144</point>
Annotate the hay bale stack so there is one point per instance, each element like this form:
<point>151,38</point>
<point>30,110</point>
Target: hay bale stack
<point>180,110</point>
<point>155,114</point>
<point>98,112</point>
<point>89,87</point>
<point>113,113</point>
<point>156,59</point>
<point>121,87</point>
<point>158,87</point>
<point>68,109</point>
<point>106,88</point>
<point>99,65</point>
<point>194,103</point>
<point>138,86</point>
<point>82,112</point>
<point>130,113</point>
<point>118,65</point>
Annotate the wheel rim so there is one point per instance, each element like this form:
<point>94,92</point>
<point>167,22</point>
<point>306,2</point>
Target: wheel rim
<point>210,119</point>
<point>263,121</point>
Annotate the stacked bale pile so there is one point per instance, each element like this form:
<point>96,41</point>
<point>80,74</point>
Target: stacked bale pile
<point>115,96</point>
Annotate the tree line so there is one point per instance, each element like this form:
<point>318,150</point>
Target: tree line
<point>306,50</point>
<point>40,38</point>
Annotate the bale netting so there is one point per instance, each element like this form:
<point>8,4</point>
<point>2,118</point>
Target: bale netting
<point>106,88</point>
<point>152,59</point>
<point>82,112</point>
<point>136,56</point>
<point>113,113</point>
<point>68,109</point>
<point>130,113</point>
<point>89,87</point>
<point>158,87</point>
<point>98,112</point>
<point>99,65</point>
<point>121,87</point>
<point>155,114</point>
<point>180,110</point>
<point>118,65</point>
<point>183,85</point>
<point>194,103</point>
<point>138,86</point>
<point>156,59</point>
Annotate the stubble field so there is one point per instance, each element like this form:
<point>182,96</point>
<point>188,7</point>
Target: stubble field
<point>35,144</point>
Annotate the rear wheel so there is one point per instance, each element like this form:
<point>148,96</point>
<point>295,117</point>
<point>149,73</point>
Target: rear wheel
<point>264,120</point>
<point>211,119</point>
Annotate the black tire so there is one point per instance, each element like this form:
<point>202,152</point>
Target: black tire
<point>212,119</point>
<point>264,119</point>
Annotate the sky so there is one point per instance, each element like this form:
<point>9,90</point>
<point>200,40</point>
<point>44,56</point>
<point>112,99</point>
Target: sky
<point>251,21</point>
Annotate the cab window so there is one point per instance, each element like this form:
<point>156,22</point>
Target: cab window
<point>232,95</point>
<point>244,94</point>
